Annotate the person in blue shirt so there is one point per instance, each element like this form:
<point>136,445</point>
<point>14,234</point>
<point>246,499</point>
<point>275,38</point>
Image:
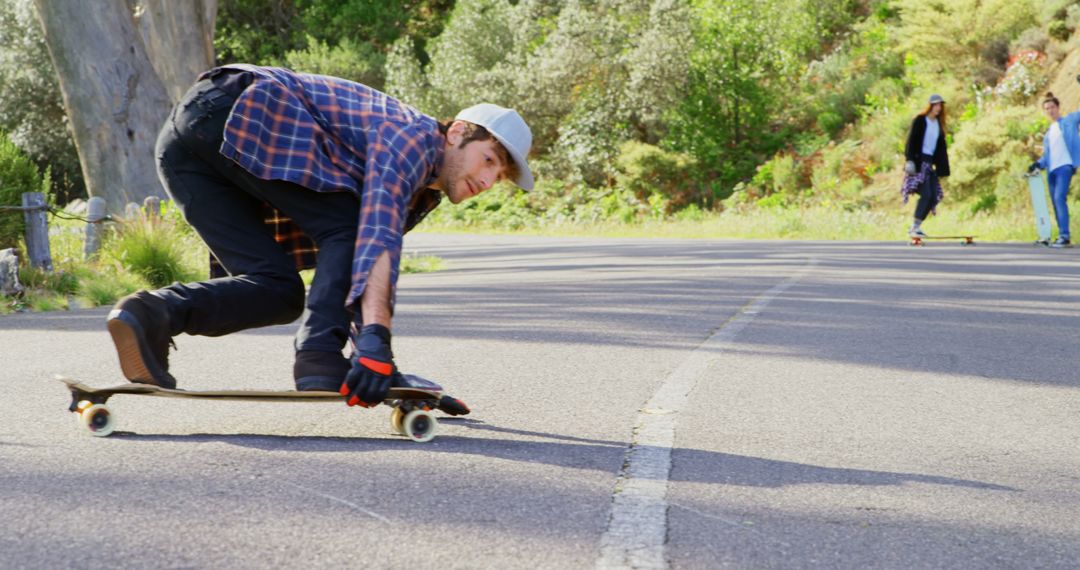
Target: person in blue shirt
<point>1060,158</point>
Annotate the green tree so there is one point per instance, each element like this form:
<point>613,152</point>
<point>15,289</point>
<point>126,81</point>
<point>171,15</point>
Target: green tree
<point>745,54</point>
<point>963,38</point>
<point>31,108</point>
<point>257,31</point>
<point>586,75</point>
<point>18,174</point>
<point>354,61</point>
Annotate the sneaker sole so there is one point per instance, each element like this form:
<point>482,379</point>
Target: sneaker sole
<point>126,332</point>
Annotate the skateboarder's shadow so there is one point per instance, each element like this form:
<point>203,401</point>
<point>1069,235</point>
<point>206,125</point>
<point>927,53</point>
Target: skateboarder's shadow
<point>689,465</point>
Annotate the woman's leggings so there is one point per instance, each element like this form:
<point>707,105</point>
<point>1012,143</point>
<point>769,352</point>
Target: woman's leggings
<point>927,191</point>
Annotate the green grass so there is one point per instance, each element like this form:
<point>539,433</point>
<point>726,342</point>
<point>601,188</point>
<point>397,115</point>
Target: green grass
<point>156,250</point>
<point>809,223</point>
<point>143,255</point>
<point>415,263</point>
<point>134,255</point>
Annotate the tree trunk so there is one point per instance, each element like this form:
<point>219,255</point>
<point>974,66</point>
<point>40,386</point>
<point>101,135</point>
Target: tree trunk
<point>735,99</point>
<point>115,98</point>
<point>179,39</point>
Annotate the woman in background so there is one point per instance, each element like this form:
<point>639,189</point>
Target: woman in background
<point>927,162</point>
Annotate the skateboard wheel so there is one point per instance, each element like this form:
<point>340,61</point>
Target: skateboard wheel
<point>397,417</point>
<point>420,426</point>
<point>97,419</point>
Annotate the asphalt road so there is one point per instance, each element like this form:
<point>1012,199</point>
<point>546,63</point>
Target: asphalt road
<point>649,403</point>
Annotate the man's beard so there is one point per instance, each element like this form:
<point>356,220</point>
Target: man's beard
<point>451,175</point>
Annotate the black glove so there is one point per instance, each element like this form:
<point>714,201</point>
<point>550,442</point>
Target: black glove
<point>1033,168</point>
<point>368,380</point>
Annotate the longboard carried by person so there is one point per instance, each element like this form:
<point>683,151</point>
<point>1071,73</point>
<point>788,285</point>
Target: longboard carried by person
<point>1039,205</point>
<point>412,399</point>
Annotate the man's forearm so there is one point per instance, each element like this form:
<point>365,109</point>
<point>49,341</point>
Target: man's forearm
<point>375,301</point>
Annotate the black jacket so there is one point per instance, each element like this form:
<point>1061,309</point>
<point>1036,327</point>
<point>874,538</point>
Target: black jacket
<point>913,149</point>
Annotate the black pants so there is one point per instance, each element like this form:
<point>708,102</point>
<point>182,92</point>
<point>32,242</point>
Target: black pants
<point>223,202</point>
<point>927,191</point>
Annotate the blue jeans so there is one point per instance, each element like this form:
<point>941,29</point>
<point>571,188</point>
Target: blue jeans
<point>1059,194</point>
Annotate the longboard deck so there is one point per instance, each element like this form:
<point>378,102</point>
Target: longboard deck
<point>968,240</point>
<point>1039,205</point>
<point>434,391</point>
<point>411,416</point>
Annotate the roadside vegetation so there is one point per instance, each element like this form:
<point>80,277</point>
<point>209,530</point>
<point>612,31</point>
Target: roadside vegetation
<point>141,253</point>
<point>761,119</point>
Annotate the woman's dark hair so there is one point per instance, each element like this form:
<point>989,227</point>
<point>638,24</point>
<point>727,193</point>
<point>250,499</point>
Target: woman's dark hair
<point>1051,99</point>
<point>941,115</point>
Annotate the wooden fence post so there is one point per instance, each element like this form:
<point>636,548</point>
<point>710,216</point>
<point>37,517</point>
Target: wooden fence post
<point>37,230</point>
<point>95,214</point>
<point>152,206</point>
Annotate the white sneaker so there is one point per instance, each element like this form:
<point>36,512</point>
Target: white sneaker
<point>916,232</point>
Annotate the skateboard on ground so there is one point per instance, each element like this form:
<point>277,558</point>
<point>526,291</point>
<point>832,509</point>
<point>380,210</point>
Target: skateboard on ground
<point>968,240</point>
<point>1037,187</point>
<point>411,416</point>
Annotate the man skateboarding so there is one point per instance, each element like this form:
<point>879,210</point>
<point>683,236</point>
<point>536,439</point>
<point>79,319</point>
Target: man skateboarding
<point>279,171</point>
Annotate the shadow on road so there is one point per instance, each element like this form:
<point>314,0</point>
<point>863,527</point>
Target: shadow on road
<point>723,468</point>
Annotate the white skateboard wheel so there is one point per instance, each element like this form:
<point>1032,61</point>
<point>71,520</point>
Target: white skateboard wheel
<point>420,426</point>
<point>97,419</point>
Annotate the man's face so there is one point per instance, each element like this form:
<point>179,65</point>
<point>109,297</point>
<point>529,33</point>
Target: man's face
<point>1052,110</point>
<point>471,170</point>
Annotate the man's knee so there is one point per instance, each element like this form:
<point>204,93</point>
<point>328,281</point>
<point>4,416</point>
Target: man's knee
<point>292,293</point>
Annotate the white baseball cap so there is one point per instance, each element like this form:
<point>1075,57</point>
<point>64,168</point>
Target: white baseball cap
<point>507,126</point>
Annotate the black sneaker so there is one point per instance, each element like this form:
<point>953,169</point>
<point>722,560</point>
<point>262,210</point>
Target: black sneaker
<point>317,370</point>
<point>1061,242</point>
<point>139,325</point>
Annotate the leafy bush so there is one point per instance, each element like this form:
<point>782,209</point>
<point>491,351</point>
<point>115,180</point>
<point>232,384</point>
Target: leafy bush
<point>358,62</point>
<point>988,151</point>
<point>963,38</point>
<point>646,170</point>
<point>1059,30</point>
<point>31,107</point>
<point>780,175</point>
<point>985,203</point>
<point>1032,39</point>
<point>18,174</point>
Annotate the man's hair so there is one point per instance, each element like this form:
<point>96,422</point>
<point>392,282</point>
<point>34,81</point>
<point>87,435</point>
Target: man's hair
<point>1051,99</point>
<point>474,132</point>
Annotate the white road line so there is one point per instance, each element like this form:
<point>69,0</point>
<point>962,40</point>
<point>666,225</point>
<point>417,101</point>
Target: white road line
<point>637,530</point>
